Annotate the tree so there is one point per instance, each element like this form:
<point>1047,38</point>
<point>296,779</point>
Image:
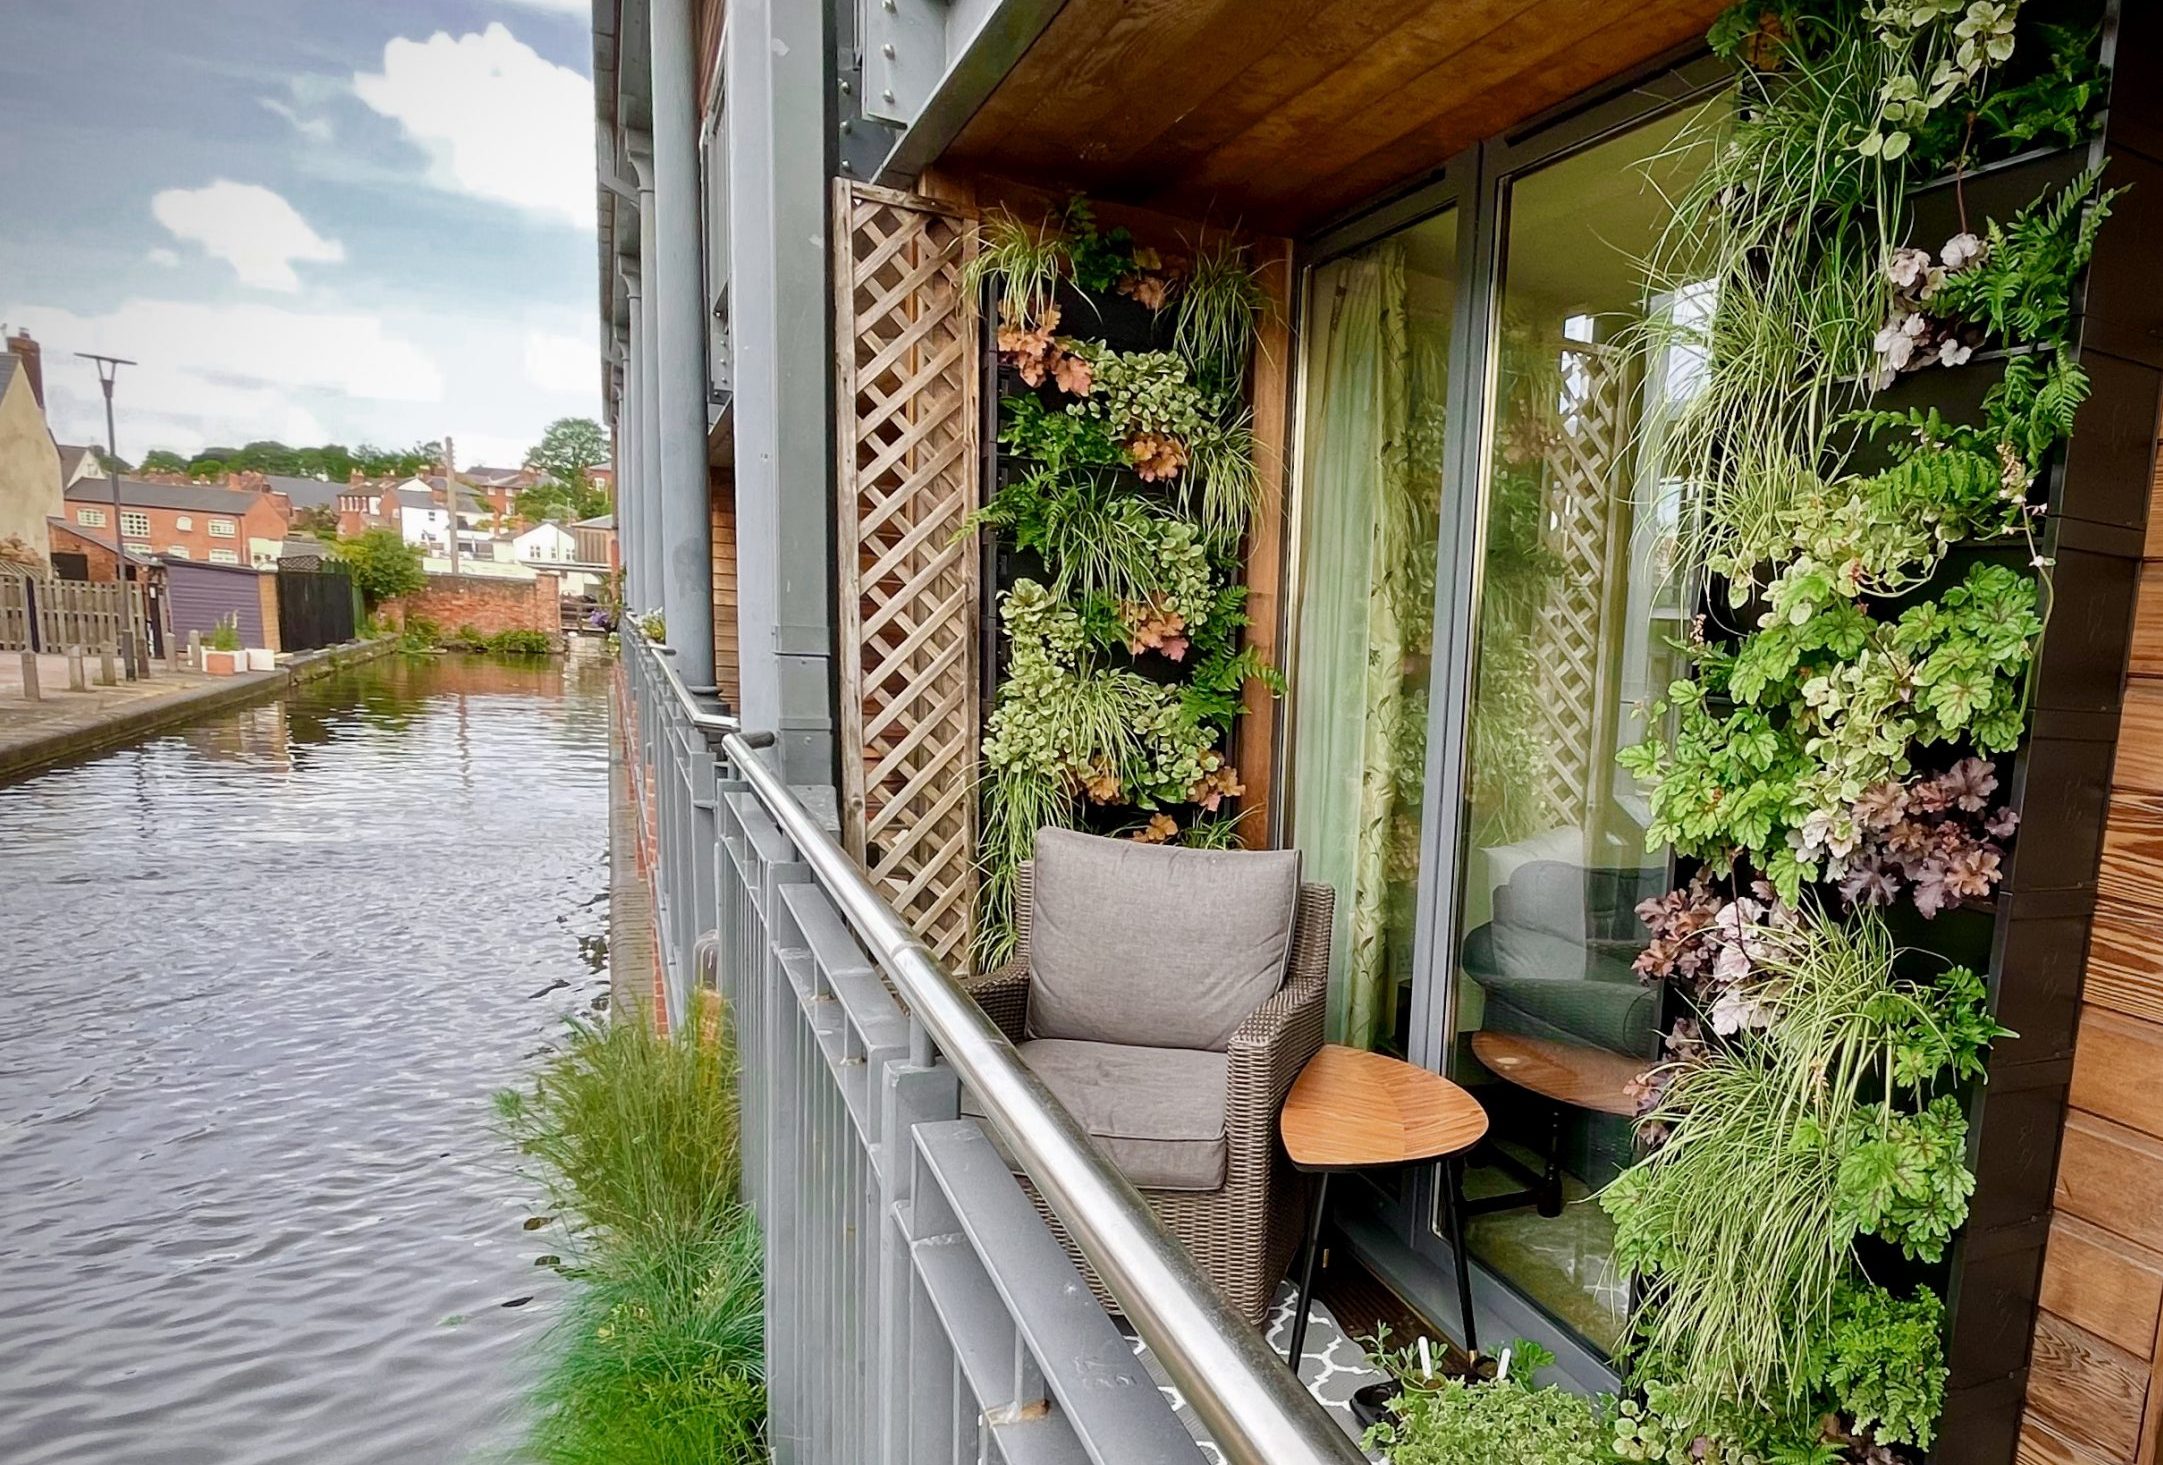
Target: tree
<point>569,447</point>
<point>107,463</point>
<point>383,564</point>
<point>207,468</point>
<point>320,520</point>
<point>164,460</point>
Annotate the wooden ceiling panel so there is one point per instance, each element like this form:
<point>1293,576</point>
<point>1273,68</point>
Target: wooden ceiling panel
<point>1282,114</point>
<point>1563,72</point>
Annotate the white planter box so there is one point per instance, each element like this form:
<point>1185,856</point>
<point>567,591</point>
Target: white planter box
<point>224,663</point>
<point>262,658</point>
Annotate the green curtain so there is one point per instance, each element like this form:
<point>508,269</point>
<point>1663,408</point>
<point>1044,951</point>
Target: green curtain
<point>1360,522</point>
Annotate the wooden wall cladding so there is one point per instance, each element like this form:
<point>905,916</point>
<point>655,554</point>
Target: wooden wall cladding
<point>727,664</point>
<point>2095,1372</point>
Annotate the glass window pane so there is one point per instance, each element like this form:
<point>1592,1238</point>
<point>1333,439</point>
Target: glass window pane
<point>1580,598</point>
<point>1369,507</point>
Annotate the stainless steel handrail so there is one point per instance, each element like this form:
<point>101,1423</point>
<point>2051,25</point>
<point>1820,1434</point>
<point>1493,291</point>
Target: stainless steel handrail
<point>1258,1413</point>
<point>701,718</point>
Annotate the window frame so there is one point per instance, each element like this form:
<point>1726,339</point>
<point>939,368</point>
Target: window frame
<point>222,556</point>
<point>90,518</point>
<point>134,524</point>
<point>222,528</point>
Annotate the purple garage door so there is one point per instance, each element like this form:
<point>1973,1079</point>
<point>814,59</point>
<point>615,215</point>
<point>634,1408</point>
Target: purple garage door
<point>205,594</point>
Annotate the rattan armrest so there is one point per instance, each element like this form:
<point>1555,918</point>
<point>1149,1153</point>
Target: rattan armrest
<point>1003,993</point>
<point>1268,1050</point>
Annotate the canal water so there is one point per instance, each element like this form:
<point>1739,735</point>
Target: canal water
<point>264,974</point>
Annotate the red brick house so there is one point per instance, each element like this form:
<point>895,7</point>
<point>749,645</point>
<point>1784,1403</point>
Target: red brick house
<point>194,521</point>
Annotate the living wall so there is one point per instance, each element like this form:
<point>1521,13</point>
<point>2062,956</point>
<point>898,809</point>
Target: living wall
<point>1835,769</point>
<point>1127,475</point>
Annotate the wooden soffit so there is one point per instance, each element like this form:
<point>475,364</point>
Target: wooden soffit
<point>1277,114</point>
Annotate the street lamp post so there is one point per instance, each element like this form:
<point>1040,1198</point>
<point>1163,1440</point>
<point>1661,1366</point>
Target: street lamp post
<point>108,369</point>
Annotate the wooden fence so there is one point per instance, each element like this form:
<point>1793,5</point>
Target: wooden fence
<point>38,613</point>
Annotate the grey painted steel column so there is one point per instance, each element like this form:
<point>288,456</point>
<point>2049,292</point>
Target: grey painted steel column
<point>677,284</point>
<point>774,77</point>
<point>631,423</point>
<point>649,417</point>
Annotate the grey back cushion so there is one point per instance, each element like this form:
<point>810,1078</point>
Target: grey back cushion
<point>1153,946</point>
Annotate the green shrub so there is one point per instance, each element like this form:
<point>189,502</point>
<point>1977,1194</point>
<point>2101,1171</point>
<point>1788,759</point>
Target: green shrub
<point>1457,1423</point>
<point>420,634</point>
<point>520,643</point>
<point>658,1360</point>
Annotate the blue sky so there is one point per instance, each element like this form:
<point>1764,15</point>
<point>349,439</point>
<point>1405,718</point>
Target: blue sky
<point>315,220</point>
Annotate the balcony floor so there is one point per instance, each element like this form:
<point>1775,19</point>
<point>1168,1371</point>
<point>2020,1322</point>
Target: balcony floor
<point>1332,1366</point>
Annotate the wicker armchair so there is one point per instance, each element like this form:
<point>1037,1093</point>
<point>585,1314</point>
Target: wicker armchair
<point>1243,1231</point>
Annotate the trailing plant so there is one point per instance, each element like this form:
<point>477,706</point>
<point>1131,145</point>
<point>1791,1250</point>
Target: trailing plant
<point>1784,1146</point>
<point>1027,264</point>
<point>1218,306</point>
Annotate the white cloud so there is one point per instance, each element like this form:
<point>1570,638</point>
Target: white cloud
<point>561,363</point>
<point>316,128</point>
<point>497,120</point>
<point>249,227</point>
<point>583,9</point>
<point>228,373</point>
<point>164,258</point>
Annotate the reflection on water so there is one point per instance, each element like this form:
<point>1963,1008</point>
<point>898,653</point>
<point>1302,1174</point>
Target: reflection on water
<point>267,972</point>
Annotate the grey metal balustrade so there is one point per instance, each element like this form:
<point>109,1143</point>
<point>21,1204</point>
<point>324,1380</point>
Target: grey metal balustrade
<point>918,1310</point>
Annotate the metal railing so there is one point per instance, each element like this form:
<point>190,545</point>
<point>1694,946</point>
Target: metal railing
<point>918,1309</point>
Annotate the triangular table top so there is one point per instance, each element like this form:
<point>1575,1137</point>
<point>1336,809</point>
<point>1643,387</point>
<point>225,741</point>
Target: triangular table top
<point>1349,1109</point>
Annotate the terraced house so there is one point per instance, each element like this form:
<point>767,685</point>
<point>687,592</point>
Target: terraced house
<point>1502,653</point>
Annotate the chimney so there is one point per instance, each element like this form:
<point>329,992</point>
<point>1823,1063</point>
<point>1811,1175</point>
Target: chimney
<point>26,350</point>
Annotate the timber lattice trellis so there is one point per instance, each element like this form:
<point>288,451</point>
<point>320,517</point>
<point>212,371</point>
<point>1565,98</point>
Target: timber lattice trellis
<point>907,419</point>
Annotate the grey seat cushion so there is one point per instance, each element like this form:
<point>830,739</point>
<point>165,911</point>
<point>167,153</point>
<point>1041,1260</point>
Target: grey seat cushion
<point>1158,1113</point>
<point>1152,946</point>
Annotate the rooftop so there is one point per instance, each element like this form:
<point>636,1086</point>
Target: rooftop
<point>202,498</point>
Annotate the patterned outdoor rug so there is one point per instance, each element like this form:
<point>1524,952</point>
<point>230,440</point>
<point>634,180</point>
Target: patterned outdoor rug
<point>1331,1365</point>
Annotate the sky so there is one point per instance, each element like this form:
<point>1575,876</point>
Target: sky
<point>353,221</point>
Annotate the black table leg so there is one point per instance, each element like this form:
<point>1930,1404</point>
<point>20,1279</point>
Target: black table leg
<point>1453,1175</point>
<point>1306,1271</point>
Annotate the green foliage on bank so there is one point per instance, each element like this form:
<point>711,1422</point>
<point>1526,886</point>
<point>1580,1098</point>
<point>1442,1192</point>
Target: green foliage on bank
<point>657,1357</point>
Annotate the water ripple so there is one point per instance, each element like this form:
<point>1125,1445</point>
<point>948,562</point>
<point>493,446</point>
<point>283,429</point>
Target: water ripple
<point>268,970</point>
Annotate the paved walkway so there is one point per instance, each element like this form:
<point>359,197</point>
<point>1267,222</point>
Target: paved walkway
<point>64,724</point>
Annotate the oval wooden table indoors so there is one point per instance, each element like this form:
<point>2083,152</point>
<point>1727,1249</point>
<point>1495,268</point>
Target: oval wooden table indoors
<point>1353,1110</point>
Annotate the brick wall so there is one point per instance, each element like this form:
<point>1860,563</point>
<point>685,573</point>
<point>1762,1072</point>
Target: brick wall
<point>186,533</point>
<point>727,668</point>
<point>487,603</point>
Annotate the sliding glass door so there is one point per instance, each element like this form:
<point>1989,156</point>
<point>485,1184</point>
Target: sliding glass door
<point>1581,603</point>
<point>1491,587</point>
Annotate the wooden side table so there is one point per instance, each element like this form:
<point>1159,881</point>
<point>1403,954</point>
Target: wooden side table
<point>1353,1110</point>
<point>1568,1076</point>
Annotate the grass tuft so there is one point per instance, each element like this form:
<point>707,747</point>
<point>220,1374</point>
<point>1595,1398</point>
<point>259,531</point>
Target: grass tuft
<point>657,1359</point>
